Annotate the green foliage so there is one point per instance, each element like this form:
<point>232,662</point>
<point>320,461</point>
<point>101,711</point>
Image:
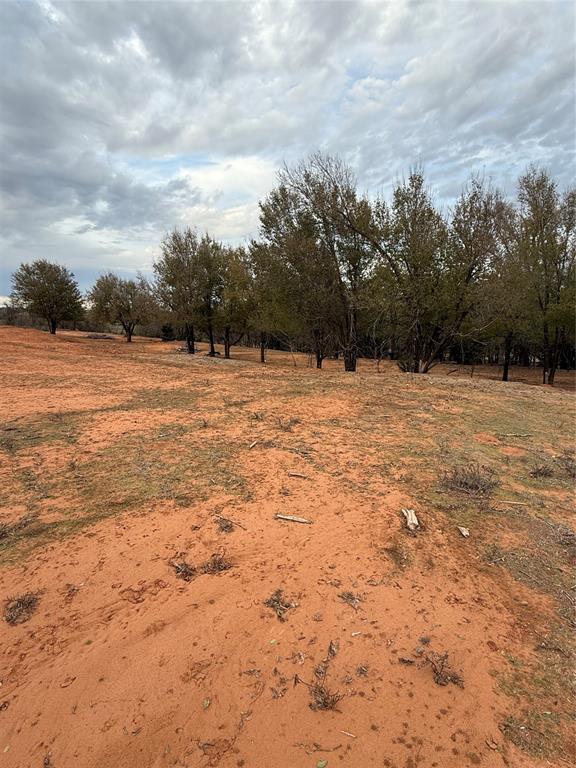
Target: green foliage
<point>49,291</point>
<point>128,302</point>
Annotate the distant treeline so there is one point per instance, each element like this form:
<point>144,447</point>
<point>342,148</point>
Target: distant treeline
<point>337,274</point>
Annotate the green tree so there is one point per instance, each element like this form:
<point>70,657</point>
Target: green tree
<point>547,246</point>
<point>189,280</point>
<point>177,279</point>
<point>48,291</point>
<point>127,302</point>
<point>237,296</point>
<point>431,269</point>
<point>326,190</point>
<point>293,237</point>
<point>271,313</point>
<point>210,284</point>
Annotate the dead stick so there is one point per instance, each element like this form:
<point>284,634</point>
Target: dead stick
<point>229,520</point>
<point>515,503</point>
<point>292,519</point>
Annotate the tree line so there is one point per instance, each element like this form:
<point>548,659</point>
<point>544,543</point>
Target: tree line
<point>336,273</point>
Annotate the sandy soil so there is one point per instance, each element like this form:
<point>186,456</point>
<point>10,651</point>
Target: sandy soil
<point>118,461</point>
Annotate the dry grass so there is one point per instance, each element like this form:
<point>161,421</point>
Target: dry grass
<point>278,604</point>
<point>443,673</point>
<point>322,697</point>
<point>184,570</point>
<point>216,564</point>
<point>19,609</point>
<point>567,462</point>
<point>542,470</point>
<point>473,479</point>
<point>351,599</point>
<point>8,530</point>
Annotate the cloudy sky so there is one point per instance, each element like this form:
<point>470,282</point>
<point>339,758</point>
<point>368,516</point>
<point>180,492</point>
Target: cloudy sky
<point>121,120</point>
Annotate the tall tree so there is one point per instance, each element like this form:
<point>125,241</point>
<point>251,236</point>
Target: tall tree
<point>271,313</point>
<point>236,300</point>
<point>293,236</point>
<point>210,284</point>
<point>48,291</point>
<point>432,268</point>
<point>189,280</point>
<point>326,189</point>
<point>127,302</point>
<point>547,243</point>
<point>177,279</point>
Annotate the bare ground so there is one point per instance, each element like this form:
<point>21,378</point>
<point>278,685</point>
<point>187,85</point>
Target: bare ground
<point>118,463</point>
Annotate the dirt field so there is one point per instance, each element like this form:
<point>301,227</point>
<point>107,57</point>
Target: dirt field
<point>127,467</point>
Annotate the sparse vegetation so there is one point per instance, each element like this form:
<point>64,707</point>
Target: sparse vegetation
<point>18,610</point>
<point>474,479</point>
<point>567,461</point>
<point>322,697</point>
<point>542,470</point>
<point>216,564</point>
<point>278,604</point>
<point>184,570</point>
<point>351,599</point>
<point>443,673</point>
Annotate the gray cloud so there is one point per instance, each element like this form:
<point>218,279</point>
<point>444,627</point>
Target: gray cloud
<point>119,120</point>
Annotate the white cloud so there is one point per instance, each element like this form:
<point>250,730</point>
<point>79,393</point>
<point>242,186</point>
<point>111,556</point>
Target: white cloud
<point>121,120</point>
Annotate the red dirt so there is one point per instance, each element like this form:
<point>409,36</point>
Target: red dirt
<point>131,667</point>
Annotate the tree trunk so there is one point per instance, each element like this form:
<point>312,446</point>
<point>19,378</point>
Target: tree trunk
<point>545,353</point>
<point>507,353</point>
<point>350,351</point>
<point>553,360</point>
<point>52,325</point>
<point>318,347</point>
<point>350,357</point>
<point>129,330</point>
<point>189,336</point>
<point>262,347</point>
<point>227,342</point>
<point>212,352</point>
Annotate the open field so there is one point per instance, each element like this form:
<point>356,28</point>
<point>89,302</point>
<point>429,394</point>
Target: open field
<point>121,465</point>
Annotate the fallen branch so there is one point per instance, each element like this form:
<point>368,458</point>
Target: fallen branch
<point>298,474</point>
<point>292,519</point>
<point>252,445</point>
<point>512,503</point>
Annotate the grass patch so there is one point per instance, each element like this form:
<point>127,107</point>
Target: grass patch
<point>131,475</point>
<point>29,433</point>
<point>9,530</point>
<point>534,733</point>
<point>567,462</point>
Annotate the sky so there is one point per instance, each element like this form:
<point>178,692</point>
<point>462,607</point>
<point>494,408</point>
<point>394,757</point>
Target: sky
<point>122,120</point>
